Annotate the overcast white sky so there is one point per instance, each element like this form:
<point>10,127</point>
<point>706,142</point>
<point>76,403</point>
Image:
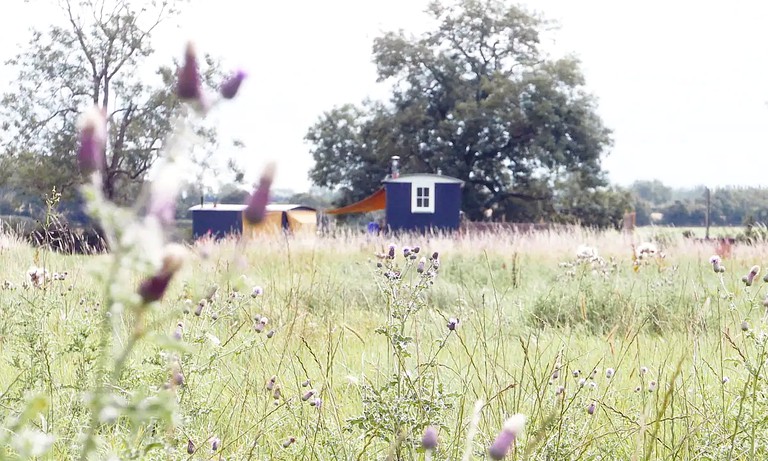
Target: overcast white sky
<point>683,84</point>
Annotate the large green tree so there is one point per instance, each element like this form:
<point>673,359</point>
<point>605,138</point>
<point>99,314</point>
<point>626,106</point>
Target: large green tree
<point>96,54</point>
<point>477,99</point>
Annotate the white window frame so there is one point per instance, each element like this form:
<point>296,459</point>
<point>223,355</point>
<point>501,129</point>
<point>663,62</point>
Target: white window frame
<point>430,187</point>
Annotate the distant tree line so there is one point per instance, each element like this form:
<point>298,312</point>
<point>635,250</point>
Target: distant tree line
<point>729,206</point>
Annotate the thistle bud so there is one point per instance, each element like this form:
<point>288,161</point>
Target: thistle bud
<point>429,439</point>
<point>750,277</point>
<point>215,444</point>
<point>308,395</point>
<point>317,402</point>
<point>511,430</point>
<point>177,334</point>
<point>609,373</point>
<point>652,386</point>
<point>188,86</point>
<point>93,139</point>
<point>190,447</point>
<point>257,202</point>
<point>744,326</point>
<point>153,288</point>
<point>289,442</point>
<point>591,408</point>
<point>200,306</point>
<point>306,383</point>
<point>230,86</point>
<point>271,383</point>
<point>391,252</point>
<point>420,266</point>
<point>716,262</point>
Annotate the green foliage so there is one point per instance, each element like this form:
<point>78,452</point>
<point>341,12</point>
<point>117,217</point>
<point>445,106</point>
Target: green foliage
<point>475,99</point>
<point>94,57</point>
<point>730,206</point>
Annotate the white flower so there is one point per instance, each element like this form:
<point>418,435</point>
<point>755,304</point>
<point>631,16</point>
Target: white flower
<point>515,424</point>
<point>216,341</point>
<point>30,443</point>
<point>586,252</point>
<point>646,249</point>
<point>37,276</point>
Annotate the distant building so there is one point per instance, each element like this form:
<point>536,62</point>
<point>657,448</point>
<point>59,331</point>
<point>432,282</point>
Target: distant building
<point>414,202</point>
<point>222,219</point>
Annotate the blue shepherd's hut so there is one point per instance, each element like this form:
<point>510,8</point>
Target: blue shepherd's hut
<point>414,202</point>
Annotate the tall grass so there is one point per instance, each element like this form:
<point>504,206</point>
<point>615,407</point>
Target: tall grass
<point>529,330</point>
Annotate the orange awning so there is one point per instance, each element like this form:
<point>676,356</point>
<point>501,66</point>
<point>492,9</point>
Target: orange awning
<point>376,201</point>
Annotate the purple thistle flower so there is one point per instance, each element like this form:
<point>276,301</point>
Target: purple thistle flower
<point>317,402</point>
<point>230,86</point>
<point>308,395</point>
<point>178,378</point>
<point>289,442</point>
<point>271,383</point>
<point>93,138</point>
<point>215,444</point>
<point>153,288</point>
<point>257,202</point>
<point>591,408</point>
<point>453,323</point>
<point>305,383</point>
<point>429,439</point>
<point>509,432</point>
<point>420,266</point>
<point>188,85</point>
<point>391,253</point>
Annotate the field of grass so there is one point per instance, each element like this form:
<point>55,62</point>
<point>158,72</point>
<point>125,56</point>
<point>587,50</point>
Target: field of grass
<point>608,358</point>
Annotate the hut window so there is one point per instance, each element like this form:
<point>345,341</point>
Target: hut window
<point>422,198</point>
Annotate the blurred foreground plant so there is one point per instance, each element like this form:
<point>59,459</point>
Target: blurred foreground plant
<point>137,239</point>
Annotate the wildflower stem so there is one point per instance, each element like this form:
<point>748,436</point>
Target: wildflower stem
<point>101,365</point>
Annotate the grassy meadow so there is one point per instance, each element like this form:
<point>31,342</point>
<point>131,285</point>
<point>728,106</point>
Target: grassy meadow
<point>608,358</point>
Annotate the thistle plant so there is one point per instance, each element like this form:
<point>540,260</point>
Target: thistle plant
<point>412,398</point>
<point>138,243</point>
